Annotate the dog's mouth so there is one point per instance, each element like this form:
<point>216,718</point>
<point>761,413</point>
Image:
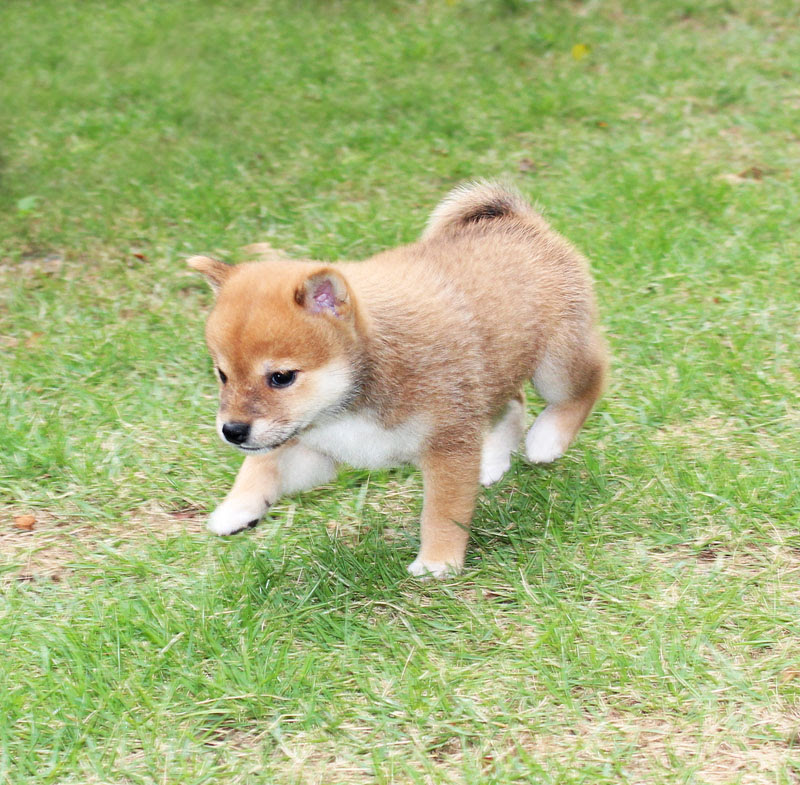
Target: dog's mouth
<point>267,447</point>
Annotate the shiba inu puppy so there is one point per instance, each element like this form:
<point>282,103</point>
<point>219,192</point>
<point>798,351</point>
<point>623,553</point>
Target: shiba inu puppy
<point>415,356</point>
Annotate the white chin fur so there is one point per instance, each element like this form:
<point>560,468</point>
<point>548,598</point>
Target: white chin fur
<point>234,515</point>
<point>251,450</point>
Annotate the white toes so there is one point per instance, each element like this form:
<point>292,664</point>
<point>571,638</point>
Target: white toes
<point>233,515</point>
<point>424,569</point>
<point>545,441</point>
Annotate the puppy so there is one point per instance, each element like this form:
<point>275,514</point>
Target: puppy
<point>415,356</point>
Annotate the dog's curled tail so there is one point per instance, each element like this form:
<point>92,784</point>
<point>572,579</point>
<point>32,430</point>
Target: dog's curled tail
<point>472,203</point>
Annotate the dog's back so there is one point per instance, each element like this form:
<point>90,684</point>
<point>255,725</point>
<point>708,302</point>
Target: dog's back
<point>493,293</point>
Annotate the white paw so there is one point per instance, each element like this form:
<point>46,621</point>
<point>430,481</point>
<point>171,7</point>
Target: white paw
<point>545,442</point>
<point>493,467</point>
<point>425,570</point>
<point>233,515</point>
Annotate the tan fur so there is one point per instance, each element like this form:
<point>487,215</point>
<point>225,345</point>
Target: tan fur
<point>421,348</point>
<point>451,485</point>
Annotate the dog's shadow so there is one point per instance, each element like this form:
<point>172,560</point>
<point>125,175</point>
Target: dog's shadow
<point>356,551</point>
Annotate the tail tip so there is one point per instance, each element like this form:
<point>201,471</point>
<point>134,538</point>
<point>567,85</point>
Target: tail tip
<point>472,203</point>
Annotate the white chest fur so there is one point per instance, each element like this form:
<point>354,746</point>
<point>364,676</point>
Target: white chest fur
<point>362,442</point>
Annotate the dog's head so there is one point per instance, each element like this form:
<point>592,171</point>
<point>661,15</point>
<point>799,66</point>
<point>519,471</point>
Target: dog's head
<point>283,337</point>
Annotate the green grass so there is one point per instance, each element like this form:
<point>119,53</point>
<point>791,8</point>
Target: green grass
<point>630,614</point>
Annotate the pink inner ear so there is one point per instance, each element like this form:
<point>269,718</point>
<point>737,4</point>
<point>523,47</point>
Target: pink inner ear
<point>324,296</point>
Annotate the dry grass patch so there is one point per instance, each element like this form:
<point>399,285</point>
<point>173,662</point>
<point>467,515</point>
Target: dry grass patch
<point>700,437</point>
<point>749,750</point>
<point>54,543</point>
<point>759,748</point>
<point>396,501</point>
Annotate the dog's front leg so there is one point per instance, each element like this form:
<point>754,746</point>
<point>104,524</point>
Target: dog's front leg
<point>265,478</point>
<point>450,481</point>
<point>255,489</point>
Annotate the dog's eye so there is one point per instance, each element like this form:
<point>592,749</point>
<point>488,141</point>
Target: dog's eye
<point>281,379</point>
<point>222,377</point>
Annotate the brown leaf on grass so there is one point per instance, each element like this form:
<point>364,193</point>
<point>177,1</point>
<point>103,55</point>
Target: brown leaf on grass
<point>789,674</point>
<point>527,165</point>
<point>753,174</point>
<point>25,522</point>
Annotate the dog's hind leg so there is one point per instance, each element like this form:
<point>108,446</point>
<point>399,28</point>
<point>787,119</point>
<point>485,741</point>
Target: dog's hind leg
<point>503,438</point>
<point>263,479</point>
<point>570,382</point>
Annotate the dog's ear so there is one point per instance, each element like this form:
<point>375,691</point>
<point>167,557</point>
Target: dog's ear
<point>215,272</point>
<point>325,291</point>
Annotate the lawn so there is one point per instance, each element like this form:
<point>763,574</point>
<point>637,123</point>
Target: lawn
<point>630,614</point>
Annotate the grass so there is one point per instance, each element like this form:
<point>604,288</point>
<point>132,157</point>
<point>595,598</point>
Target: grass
<point>630,614</point>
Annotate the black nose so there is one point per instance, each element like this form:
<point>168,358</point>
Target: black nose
<point>236,432</point>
